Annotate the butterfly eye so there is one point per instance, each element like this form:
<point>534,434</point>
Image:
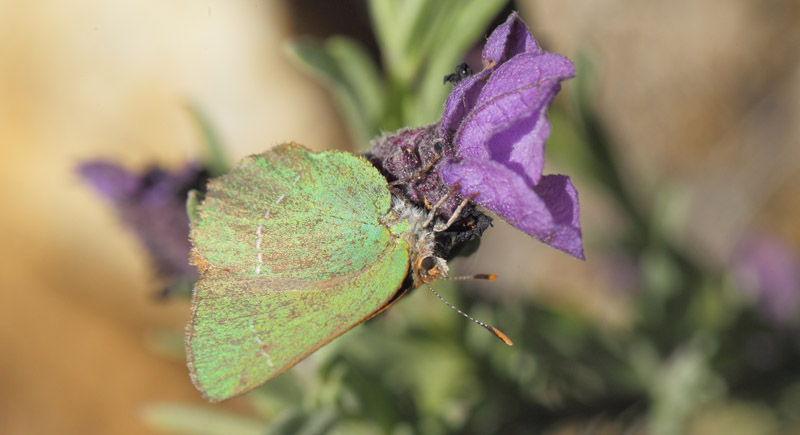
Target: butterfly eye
<point>427,264</point>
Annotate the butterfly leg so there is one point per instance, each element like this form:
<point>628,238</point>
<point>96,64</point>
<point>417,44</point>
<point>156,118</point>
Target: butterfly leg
<point>441,227</point>
<point>432,212</point>
<point>456,213</point>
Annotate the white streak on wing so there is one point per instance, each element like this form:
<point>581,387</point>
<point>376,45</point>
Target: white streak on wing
<point>258,234</point>
<point>260,344</point>
<point>258,246</point>
<point>260,239</point>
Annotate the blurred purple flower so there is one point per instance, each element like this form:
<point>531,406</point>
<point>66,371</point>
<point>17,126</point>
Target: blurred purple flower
<point>491,143</point>
<point>768,271</point>
<point>153,205</point>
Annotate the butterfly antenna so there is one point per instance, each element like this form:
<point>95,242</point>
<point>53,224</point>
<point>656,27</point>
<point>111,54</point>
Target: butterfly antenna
<point>499,334</point>
<point>486,276</point>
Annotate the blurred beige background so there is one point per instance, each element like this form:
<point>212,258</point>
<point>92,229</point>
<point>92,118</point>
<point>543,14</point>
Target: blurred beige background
<point>83,79</point>
<point>702,97</point>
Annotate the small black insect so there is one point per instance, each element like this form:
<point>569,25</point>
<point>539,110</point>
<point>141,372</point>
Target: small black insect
<point>462,71</point>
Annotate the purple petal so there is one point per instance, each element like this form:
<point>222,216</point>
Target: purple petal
<point>524,70</point>
<point>548,212</point>
<point>510,125</point>
<point>158,185</point>
<point>153,206</point>
<point>109,180</point>
<point>561,199</point>
<point>461,100</point>
<point>508,40</point>
<point>163,228</point>
<point>768,270</point>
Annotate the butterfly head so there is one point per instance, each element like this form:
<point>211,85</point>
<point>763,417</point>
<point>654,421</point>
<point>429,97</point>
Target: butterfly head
<point>429,268</point>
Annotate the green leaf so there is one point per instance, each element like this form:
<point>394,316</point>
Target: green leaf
<point>421,41</point>
<point>462,27</point>
<point>321,64</point>
<point>385,24</point>
<point>360,75</point>
<point>681,385</point>
<point>193,199</point>
<point>289,422</point>
<point>423,24</point>
<point>197,420</point>
<point>215,159</point>
<point>320,422</point>
<point>274,398</point>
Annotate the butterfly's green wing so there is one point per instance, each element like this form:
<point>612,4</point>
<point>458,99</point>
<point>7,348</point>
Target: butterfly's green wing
<point>292,254</point>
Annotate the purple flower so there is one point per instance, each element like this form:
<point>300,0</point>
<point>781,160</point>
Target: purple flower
<point>491,143</point>
<point>153,205</point>
<point>768,271</point>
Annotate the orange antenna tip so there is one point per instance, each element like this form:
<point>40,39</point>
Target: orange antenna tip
<point>500,335</point>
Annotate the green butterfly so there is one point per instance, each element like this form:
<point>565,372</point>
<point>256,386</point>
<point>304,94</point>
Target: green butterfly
<point>294,249</point>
